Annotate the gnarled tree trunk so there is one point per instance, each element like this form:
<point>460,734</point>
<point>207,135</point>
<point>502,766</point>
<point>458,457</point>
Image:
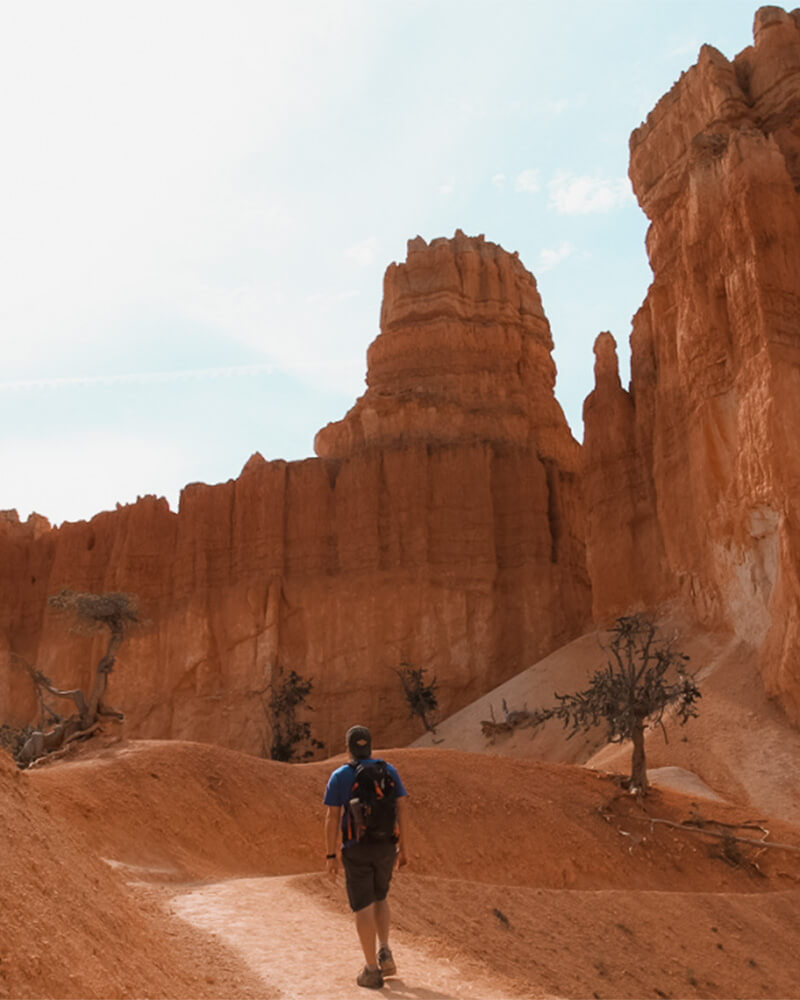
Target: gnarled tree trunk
<point>104,668</point>
<point>638,762</point>
<point>113,611</point>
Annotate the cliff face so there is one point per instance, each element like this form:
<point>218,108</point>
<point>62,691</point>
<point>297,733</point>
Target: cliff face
<point>441,526</point>
<point>442,523</point>
<point>693,477</point>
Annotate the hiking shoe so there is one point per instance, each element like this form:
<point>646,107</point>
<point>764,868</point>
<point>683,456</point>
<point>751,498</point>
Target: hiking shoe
<point>371,978</point>
<point>386,962</point>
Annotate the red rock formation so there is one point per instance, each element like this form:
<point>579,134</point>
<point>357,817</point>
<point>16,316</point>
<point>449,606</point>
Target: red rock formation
<point>442,523</point>
<point>625,555</point>
<point>441,526</point>
<point>464,356</point>
<point>705,446</point>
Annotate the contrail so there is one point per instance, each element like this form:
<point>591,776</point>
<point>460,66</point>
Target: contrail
<point>133,377</point>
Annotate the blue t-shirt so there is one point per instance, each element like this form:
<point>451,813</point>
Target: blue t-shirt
<point>337,791</point>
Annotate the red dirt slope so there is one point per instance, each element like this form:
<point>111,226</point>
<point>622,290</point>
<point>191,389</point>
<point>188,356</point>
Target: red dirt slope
<point>190,810</point>
<point>535,879</point>
<point>544,942</point>
<point>70,927</point>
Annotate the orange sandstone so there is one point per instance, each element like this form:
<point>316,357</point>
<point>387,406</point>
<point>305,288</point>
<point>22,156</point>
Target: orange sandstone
<point>441,526</point>
<point>450,520</point>
<point>703,453</point>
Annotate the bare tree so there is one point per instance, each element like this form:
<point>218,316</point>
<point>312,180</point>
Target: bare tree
<point>644,675</point>
<point>115,613</point>
<point>420,694</point>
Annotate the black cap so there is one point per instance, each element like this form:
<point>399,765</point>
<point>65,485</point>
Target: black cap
<point>359,742</point>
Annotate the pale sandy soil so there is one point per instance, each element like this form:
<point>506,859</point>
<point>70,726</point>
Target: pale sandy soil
<point>740,748</point>
<point>679,780</point>
<point>741,745</point>
<point>171,869</point>
<point>300,948</point>
<point>567,669</point>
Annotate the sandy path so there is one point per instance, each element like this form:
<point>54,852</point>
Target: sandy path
<point>300,949</point>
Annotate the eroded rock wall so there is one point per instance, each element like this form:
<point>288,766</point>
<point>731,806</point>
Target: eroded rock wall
<point>441,526</point>
<point>704,451</point>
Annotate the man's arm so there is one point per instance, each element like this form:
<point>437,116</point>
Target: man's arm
<point>333,816</point>
<point>402,845</point>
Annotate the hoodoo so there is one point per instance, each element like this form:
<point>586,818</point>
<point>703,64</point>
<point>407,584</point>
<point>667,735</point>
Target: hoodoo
<point>441,526</point>
<point>693,478</point>
<point>464,356</point>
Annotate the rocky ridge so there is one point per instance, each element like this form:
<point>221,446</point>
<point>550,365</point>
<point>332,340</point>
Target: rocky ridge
<point>441,526</point>
<point>450,520</point>
<point>692,478</point>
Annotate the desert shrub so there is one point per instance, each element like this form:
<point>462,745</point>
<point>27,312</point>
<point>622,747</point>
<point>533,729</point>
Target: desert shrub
<point>13,738</point>
<point>419,693</point>
<point>291,737</point>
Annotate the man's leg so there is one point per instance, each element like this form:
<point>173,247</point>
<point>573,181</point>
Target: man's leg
<point>382,918</point>
<point>367,931</point>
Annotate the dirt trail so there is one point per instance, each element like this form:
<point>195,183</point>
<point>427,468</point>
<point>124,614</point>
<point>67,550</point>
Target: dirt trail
<point>300,949</point>
<point>188,871</point>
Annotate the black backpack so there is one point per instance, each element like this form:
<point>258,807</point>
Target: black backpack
<point>372,810</point>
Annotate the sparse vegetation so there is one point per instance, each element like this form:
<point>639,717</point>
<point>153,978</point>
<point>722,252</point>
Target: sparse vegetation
<point>115,613</point>
<point>291,739</point>
<point>12,738</point>
<point>420,694</point>
<point>644,675</point>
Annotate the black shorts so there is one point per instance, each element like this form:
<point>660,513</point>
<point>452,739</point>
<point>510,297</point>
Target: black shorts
<point>368,871</point>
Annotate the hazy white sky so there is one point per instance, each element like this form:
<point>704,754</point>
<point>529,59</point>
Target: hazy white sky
<point>199,201</point>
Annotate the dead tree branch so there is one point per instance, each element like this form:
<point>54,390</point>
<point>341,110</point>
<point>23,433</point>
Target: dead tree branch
<point>82,734</point>
<point>512,719</point>
<point>691,828</point>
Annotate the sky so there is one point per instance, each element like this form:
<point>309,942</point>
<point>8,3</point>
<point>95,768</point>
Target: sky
<point>198,202</point>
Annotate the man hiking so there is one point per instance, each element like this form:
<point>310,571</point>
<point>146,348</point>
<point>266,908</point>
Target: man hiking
<point>365,800</point>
